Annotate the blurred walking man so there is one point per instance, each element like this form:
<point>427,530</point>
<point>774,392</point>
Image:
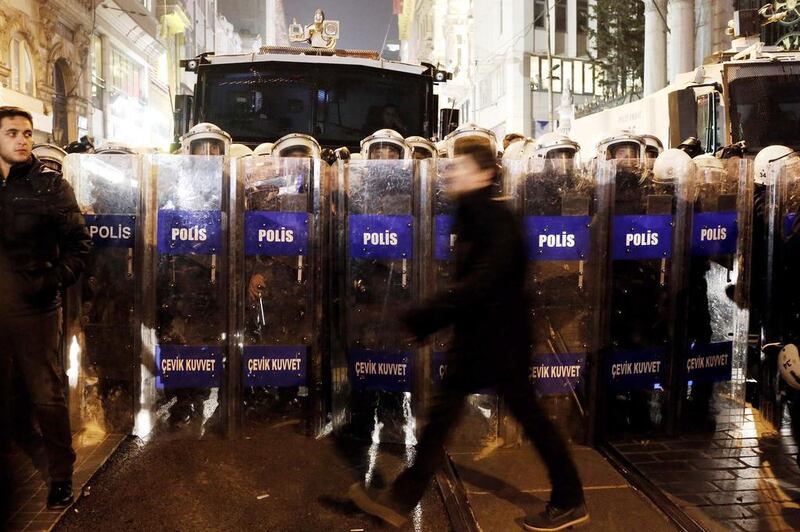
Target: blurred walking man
<point>487,309</point>
<point>43,244</point>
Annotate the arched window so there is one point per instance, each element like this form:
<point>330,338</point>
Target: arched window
<point>21,67</point>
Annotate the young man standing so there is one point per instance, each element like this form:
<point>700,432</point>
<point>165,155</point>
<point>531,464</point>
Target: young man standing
<point>488,311</point>
<point>43,244</point>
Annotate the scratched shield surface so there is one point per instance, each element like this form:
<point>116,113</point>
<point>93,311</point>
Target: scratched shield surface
<point>100,322</point>
<point>185,303</point>
<point>281,284</point>
<point>713,362</point>
<point>377,224</point>
<point>564,215</point>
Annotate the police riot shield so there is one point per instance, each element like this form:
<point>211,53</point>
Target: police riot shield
<point>100,325</point>
<point>377,230</point>
<point>565,217</point>
<point>781,312</point>
<point>185,295</point>
<point>480,422</point>
<point>712,364</point>
<point>646,272</point>
<point>280,286</point>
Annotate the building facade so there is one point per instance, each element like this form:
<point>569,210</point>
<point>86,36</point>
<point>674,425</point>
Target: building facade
<point>517,66</point>
<point>106,69</point>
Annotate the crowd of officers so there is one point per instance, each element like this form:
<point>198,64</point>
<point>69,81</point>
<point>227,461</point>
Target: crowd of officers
<point>552,153</point>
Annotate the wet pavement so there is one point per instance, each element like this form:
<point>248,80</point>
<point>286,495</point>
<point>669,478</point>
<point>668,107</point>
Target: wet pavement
<point>29,503</point>
<point>505,485</point>
<point>742,476</point>
<point>272,478</point>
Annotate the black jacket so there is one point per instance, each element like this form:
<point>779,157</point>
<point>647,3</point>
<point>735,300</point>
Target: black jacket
<point>487,305</point>
<point>43,239</point>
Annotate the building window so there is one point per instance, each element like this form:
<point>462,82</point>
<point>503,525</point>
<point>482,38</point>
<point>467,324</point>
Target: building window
<point>98,78</point>
<point>126,75</point>
<point>539,13</point>
<point>22,79</point>
<point>561,16</point>
<point>579,75</point>
<point>583,15</point>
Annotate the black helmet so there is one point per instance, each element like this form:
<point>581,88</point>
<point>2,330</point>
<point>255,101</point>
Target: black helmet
<point>84,145</point>
<point>691,146</point>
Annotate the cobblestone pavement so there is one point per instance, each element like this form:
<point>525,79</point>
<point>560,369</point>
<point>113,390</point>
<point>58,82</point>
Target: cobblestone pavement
<point>743,476</point>
<point>29,504</point>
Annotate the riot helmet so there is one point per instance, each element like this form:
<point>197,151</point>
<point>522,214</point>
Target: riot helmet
<point>710,169</point>
<point>422,148</point>
<point>510,139</point>
<point>84,145</point>
<point>516,149</point>
<point>469,132</point>
<point>556,153</point>
<point>691,146</point>
<point>385,144</point>
<point>205,139</point>
<point>652,148</point>
<point>441,149</point>
<point>764,159</point>
<point>115,148</point>
<point>240,150</point>
<point>296,145</point>
<point>672,166</point>
<point>51,155</point>
<point>265,148</point>
<point>789,365</point>
<point>626,148</point>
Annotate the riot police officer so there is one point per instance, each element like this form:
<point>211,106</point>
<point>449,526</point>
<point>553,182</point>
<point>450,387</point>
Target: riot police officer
<point>51,155</point>
<point>277,310</point>
<point>421,148</point>
<point>186,288</point>
<point>652,149</point>
<point>385,144</point>
<point>638,293</point>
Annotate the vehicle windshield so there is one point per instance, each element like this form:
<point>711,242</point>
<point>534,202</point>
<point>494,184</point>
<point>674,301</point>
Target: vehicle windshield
<point>765,106</point>
<point>336,104</point>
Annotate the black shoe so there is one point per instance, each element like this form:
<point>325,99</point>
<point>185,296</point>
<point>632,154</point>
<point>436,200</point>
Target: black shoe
<point>377,503</point>
<point>60,495</point>
<point>553,518</point>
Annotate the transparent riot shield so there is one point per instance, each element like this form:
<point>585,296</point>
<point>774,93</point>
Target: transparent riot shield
<point>565,216</point>
<point>712,364</point>
<point>781,322</point>
<point>101,330</point>
<point>185,305</point>
<point>281,285</point>
<point>374,372</point>
<point>646,276</point>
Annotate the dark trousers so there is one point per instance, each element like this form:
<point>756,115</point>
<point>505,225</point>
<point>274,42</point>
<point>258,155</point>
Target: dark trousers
<point>446,409</point>
<point>30,353</point>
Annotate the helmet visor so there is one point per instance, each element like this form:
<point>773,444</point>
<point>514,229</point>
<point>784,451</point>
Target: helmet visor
<point>207,147</point>
<point>384,151</point>
<point>295,151</point>
<point>421,153</point>
<point>560,161</point>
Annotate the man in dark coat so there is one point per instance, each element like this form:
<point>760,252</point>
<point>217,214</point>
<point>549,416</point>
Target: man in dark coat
<point>43,245</point>
<point>487,308</point>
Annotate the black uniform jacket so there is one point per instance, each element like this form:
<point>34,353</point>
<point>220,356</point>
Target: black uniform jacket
<point>487,304</point>
<point>43,239</point>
